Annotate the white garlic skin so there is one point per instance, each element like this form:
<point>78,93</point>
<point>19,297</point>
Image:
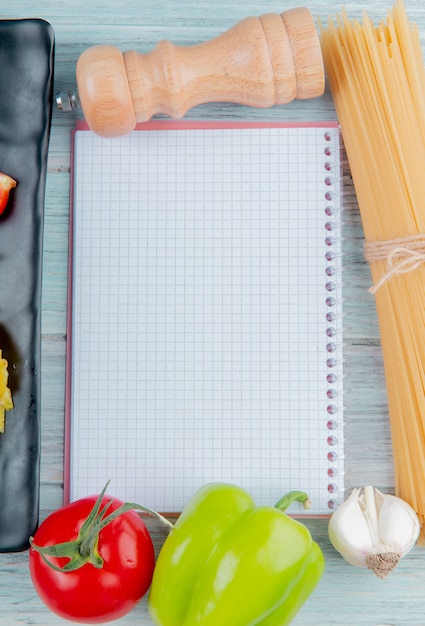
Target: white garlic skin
<point>396,517</point>
<point>349,532</point>
<point>372,523</point>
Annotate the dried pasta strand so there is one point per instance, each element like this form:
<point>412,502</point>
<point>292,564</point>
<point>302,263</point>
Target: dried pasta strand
<point>377,79</point>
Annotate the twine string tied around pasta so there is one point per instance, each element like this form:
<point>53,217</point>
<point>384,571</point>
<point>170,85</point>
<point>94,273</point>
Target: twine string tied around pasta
<point>402,255</point>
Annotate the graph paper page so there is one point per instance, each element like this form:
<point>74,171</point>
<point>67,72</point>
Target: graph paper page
<point>206,314</point>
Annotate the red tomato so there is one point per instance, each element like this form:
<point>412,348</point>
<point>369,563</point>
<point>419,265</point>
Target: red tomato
<point>90,594</point>
<point>6,184</point>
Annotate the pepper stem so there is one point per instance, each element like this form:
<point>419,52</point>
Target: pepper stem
<point>293,496</point>
<point>84,548</point>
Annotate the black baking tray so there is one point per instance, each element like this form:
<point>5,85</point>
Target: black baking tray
<point>26,86</point>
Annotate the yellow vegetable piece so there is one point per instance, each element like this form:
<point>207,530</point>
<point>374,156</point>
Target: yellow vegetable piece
<point>6,402</point>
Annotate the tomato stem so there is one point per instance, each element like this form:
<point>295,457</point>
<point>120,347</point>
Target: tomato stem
<point>84,549</point>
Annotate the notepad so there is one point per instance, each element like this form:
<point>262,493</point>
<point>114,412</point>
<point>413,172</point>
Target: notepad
<point>205,331</point>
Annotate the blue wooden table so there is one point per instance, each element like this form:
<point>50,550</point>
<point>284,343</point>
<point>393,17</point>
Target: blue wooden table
<point>346,595</point>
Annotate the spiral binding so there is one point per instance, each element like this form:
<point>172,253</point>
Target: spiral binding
<point>332,346</point>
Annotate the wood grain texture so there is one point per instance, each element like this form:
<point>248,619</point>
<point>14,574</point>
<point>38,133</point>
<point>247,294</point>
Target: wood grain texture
<point>346,595</point>
<point>260,61</point>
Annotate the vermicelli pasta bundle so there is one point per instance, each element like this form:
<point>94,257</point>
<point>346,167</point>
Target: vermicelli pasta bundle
<point>377,79</point>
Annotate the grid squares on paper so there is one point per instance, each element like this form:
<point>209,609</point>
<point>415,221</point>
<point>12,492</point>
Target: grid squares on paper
<point>199,314</point>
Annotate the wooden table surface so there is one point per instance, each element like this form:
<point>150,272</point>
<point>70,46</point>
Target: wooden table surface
<point>346,595</point>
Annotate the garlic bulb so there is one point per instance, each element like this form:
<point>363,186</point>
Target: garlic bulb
<point>374,530</point>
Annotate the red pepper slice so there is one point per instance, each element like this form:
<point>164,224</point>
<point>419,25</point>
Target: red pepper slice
<point>6,184</point>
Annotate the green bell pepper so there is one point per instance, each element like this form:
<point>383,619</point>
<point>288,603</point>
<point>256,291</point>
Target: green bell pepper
<point>228,562</point>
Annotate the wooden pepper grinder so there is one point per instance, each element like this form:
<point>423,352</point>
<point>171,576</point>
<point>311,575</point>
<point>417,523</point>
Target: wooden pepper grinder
<point>259,62</point>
